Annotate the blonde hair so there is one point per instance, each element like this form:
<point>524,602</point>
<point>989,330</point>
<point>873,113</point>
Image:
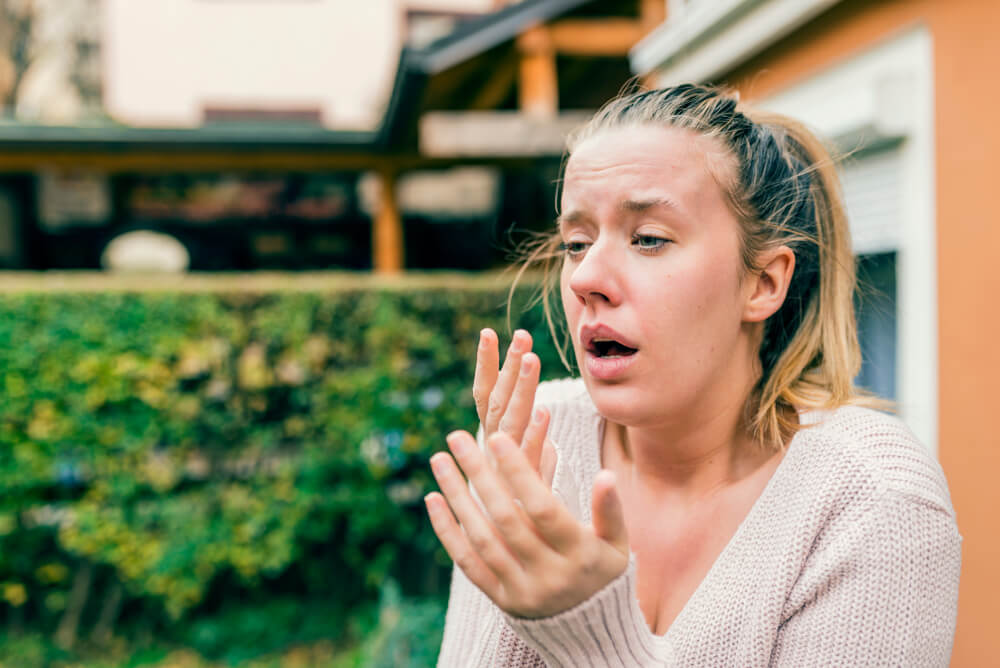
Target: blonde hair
<point>782,185</point>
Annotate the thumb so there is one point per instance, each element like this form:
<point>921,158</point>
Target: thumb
<point>606,506</point>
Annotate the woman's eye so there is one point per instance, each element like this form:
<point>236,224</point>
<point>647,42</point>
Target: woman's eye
<point>573,248</point>
<point>648,242</point>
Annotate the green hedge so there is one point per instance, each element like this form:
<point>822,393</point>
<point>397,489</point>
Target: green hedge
<point>232,470</point>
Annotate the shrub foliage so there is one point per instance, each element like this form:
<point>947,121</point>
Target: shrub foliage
<point>230,471</point>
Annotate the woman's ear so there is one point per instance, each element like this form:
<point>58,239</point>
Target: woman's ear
<point>768,287</point>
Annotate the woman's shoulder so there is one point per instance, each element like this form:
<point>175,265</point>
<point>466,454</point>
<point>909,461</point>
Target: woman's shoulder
<point>866,448</point>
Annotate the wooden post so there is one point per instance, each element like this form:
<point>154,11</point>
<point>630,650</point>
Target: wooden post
<point>651,14</point>
<point>538,86</point>
<point>387,231</point>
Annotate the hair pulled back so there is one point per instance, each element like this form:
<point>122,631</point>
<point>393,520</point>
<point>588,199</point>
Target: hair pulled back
<point>782,186</point>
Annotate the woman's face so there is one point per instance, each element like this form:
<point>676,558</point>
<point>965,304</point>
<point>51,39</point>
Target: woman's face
<point>651,276</point>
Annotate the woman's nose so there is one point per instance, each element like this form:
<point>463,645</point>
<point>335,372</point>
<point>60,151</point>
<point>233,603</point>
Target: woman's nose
<point>595,276</point>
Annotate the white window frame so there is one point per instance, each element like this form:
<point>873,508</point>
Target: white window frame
<point>703,40</point>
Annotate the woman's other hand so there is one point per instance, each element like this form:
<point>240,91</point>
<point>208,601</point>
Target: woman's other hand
<point>505,397</point>
<point>522,547</point>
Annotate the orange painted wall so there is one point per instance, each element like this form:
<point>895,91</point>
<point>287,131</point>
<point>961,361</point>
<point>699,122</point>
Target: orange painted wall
<point>966,47</point>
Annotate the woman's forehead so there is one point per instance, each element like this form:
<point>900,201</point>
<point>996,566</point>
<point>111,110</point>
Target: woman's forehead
<point>642,163</point>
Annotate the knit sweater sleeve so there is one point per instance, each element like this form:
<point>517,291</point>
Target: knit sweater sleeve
<point>608,629</point>
<point>884,592</point>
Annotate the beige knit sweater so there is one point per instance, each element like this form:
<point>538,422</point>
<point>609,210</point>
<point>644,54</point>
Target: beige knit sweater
<point>850,557</point>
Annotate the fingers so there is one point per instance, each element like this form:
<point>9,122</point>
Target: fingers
<point>518,414</point>
<point>606,508</point>
<point>479,535</point>
<point>508,518</point>
<point>456,544</point>
<point>533,441</point>
<point>551,520</point>
<point>548,465</point>
<point>506,380</point>
<point>487,361</point>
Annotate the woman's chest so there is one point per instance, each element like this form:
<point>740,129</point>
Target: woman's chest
<point>677,546</point>
<point>673,559</point>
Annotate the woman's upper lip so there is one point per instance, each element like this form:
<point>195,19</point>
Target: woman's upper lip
<point>600,331</point>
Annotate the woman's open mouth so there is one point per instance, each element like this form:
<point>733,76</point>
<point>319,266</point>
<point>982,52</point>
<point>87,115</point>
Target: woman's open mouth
<point>609,348</point>
<point>608,354</point>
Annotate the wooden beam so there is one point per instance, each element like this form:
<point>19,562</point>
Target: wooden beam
<point>595,37</point>
<point>387,228</point>
<point>486,134</point>
<point>651,14</point>
<point>160,161</point>
<point>538,89</point>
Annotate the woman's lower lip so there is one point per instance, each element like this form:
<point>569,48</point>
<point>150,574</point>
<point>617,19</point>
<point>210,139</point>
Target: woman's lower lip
<point>607,368</point>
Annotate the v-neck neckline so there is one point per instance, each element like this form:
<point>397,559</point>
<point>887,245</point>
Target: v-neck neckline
<point>762,500</point>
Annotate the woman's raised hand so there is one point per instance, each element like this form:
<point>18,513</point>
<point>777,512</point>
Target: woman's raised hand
<point>505,398</point>
<point>521,546</point>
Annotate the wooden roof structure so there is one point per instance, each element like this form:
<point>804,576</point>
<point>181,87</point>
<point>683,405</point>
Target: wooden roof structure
<point>500,89</point>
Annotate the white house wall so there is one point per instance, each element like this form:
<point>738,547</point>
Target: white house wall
<point>166,61</point>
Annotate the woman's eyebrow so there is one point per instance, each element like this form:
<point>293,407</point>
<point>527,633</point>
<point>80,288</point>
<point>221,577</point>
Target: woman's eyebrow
<point>564,219</point>
<point>640,206</point>
<point>627,205</point>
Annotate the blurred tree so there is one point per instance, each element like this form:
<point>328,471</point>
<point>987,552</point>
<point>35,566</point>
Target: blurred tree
<point>50,59</point>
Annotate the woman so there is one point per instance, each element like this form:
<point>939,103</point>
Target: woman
<point>712,491</point>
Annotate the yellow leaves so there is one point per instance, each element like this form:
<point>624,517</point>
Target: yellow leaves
<point>161,471</point>
<point>187,407</point>
<point>245,561</point>
<point>252,372</point>
<point>46,422</point>
<point>52,573</point>
<point>152,394</point>
<point>126,365</point>
<point>198,358</point>
<point>192,363</point>
<point>317,350</point>
<point>87,368</point>
<point>95,397</point>
<point>109,434</point>
<point>295,426</point>
<point>14,593</point>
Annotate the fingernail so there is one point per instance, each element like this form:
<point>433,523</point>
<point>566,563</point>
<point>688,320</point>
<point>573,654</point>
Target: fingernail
<point>538,416</point>
<point>456,443</point>
<point>527,365</point>
<point>521,338</point>
<point>482,338</point>
<point>431,508</point>
<point>437,464</point>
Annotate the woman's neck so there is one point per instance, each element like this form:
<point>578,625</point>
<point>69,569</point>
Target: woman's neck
<point>689,459</point>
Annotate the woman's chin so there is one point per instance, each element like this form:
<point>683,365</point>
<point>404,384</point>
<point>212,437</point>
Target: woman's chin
<point>620,403</point>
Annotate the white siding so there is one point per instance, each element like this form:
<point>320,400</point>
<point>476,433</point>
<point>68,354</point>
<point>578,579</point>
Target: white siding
<point>873,195</point>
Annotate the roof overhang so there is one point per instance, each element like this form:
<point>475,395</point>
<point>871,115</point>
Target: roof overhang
<point>481,34</point>
<point>222,136</point>
<point>712,38</point>
<point>496,133</point>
